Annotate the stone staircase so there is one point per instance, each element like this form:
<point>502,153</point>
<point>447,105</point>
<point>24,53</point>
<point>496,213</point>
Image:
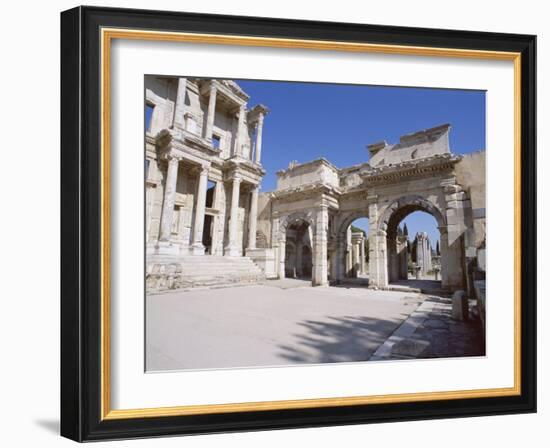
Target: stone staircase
<point>186,272</point>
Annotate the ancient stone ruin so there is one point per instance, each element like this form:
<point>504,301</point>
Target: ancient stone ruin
<point>208,224</point>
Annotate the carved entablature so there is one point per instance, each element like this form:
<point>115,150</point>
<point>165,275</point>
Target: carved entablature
<point>229,94</point>
<point>182,140</point>
<point>247,169</point>
<point>257,113</point>
<point>439,164</point>
<point>169,146</point>
<point>354,194</point>
<point>305,192</point>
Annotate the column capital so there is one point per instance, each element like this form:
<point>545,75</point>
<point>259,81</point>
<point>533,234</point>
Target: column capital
<point>236,178</point>
<point>322,207</point>
<point>172,158</point>
<point>372,199</point>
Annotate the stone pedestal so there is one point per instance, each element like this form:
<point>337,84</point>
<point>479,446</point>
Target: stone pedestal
<point>165,248</point>
<point>460,306</point>
<point>265,260</point>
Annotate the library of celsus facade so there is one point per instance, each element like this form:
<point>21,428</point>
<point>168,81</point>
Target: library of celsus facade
<point>203,171</point>
<point>205,215</point>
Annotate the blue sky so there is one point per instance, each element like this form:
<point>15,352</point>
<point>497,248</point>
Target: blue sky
<point>311,120</point>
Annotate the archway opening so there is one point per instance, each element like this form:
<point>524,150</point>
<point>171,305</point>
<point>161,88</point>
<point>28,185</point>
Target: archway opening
<point>414,249</point>
<point>355,252</point>
<point>350,252</point>
<point>298,250</point>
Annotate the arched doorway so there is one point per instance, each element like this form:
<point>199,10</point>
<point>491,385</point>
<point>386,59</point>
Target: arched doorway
<point>298,253</point>
<point>388,261</point>
<point>350,260</point>
<point>413,248</point>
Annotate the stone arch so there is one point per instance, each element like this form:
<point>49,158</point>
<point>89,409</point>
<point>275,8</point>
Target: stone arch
<point>293,218</point>
<point>405,205</point>
<point>386,245</point>
<point>345,220</point>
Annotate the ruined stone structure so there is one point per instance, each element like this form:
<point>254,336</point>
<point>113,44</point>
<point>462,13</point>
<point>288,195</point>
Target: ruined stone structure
<point>355,254</point>
<point>203,172</point>
<point>207,223</point>
<point>419,173</point>
<point>423,252</point>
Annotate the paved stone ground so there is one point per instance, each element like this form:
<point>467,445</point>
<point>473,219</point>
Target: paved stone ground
<point>289,322</point>
<point>264,325</point>
<point>429,332</point>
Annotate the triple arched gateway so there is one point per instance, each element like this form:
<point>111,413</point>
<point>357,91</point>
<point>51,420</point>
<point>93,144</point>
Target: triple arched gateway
<point>315,203</point>
<point>204,210</point>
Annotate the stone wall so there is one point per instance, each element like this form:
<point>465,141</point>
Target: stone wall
<point>470,173</point>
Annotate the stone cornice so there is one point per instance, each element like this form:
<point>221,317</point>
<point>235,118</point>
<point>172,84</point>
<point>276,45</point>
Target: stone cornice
<point>254,114</point>
<point>240,163</point>
<point>442,163</point>
<point>319,161</point>
<point>183,141</point>
<point>305,191</point>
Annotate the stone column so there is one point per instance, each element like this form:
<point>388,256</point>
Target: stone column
<point>258,151</point>
<point>211,112</point>
<point>320,268</point>
<point>282,255</point>
<point>239,137</point>
<point>253,218</point>
<point>362,242</point>
<point>179,107</point>
<point>340,265</point>
<point>232,250</point>
<point>378,263</point>
<point>217,233</point>
<point>197,246</point>
<point>169,198</point>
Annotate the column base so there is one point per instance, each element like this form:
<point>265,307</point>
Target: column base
<point>264,259</point>
<point>166,248</point>
<point>320,284</point>
<point>197,249</point>
<point>232,251</point>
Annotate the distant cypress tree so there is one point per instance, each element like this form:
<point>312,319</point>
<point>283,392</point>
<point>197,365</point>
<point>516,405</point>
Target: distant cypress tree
<point>405,230</point>
<point>437,248</point>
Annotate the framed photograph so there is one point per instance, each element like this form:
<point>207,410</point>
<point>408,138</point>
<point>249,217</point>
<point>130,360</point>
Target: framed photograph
<point>277,224</point>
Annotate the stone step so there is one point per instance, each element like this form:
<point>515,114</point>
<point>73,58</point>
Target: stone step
<point>170,273</point>
<point>211,270</point>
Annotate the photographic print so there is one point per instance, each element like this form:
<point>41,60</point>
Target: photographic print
<point>277,224</point>
<point>292,223</point>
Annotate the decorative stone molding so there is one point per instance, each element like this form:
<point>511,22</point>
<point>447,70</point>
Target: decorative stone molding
<point>429,166</point>
<point>415,202</point>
